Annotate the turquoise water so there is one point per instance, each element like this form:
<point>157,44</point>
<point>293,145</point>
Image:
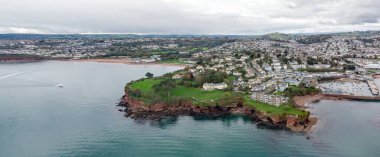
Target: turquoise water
<point>38,119</point>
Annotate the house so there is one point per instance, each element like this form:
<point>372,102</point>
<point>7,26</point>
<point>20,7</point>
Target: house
<point>177,76</point>
<point>199,67</point>
<point>292,81</point>
<point>236,73</point>
<point>269,99</point>
<point>320,66</point>
<point>245,57</point>
<point>156,57</point>
<point>277,66</point>
<point>267,67</point>
<point>213,86</point>
<point>282,87</point>
<point>229,58</point>
<point>298,66</point>
<point>372,66</point>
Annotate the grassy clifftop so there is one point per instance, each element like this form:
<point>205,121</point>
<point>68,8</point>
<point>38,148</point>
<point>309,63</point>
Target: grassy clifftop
<point>146,91</point>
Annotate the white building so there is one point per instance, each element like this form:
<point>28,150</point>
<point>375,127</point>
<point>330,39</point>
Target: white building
<point>282,87</point>
<point>372,66</point>
<point>213,86</point>
<point>269,99</point>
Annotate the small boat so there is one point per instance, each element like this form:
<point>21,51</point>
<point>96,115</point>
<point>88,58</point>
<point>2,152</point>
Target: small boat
<point>60,85</point>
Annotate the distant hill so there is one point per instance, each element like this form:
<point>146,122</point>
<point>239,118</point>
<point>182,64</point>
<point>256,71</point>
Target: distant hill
<point>309,39</point>
<point>277,36</point>
<point>358,33</point>
<point>102,36</point>
<point>60,36</point>
<point>304,38</point>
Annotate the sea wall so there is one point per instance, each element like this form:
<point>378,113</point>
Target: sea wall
<point>136,109</point>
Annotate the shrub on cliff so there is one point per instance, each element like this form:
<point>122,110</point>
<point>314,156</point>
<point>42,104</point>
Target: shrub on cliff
<point>133,92</point>
<point>228,99</point>
<point>300,91</point>
<point>164,86</point>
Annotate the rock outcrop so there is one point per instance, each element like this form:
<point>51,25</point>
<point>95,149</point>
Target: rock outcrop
<point>136,109</point>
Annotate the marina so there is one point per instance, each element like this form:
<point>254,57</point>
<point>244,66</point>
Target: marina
<point>355,88</point>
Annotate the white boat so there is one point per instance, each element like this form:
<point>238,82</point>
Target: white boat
<point>60,85</point>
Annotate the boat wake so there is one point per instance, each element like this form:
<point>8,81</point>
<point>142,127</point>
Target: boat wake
<point>41,82</point>
<point>11,75</point>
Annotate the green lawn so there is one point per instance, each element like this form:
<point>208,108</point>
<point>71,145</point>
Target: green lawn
<point>196,93</point>
<point>145,86</point>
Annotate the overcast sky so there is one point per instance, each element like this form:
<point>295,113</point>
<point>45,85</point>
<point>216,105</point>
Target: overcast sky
<point>188,16</point>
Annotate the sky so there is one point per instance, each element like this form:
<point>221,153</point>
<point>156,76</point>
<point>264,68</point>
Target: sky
<point>239,17</point>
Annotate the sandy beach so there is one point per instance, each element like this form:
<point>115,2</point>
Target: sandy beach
<point>125,61</point>
<point>304,101</point>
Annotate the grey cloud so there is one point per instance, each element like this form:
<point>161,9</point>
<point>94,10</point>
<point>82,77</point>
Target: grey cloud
<point>187,17</point>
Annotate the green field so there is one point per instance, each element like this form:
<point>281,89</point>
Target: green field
<point>145,86</point>
<point>209,97</point>
<point>196,93</point>
<point>200,48</point>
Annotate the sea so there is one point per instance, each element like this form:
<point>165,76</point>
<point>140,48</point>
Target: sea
<point>82,119</point>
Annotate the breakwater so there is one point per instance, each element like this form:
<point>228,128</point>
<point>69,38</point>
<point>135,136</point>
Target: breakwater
<point>353,97</point>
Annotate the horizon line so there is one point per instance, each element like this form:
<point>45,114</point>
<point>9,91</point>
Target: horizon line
<point>143,34</point>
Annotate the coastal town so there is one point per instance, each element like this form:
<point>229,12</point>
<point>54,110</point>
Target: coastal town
<point>273,68</point>
<point>190,78</point>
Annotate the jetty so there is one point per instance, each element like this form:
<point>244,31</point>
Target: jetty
<point>373,87</point>
<point>353,97</point>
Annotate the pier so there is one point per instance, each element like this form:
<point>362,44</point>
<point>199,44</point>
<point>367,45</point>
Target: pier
<point>373,87</point>
<point>353,97</point>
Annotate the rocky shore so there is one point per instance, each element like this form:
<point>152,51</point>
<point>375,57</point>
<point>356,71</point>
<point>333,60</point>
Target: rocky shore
<point>136,109</point>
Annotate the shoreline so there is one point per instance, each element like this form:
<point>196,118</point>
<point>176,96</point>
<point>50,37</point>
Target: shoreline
<point>305,101</point>
<point>137,109</point>
<point>124,61</point>
<point>112,61</point>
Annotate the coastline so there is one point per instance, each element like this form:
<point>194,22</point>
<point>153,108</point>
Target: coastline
<point>137,109</point>
<point>124,61</point>
<point>305,101</point>
<point>20,61</point>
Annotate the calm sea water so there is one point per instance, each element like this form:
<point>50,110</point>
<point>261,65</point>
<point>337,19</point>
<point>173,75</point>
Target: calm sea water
<point>38,119</point>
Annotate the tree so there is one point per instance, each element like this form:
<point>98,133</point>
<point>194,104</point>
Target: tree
<point>149,75</point>
<point>349,67</point>
<point>311,61</point>
<point>286,52</point>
